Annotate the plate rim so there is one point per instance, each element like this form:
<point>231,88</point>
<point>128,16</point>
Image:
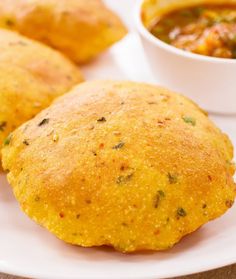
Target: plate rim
<point>215,264</point>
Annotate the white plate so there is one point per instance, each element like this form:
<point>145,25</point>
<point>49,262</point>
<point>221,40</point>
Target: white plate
<point>28,250</point>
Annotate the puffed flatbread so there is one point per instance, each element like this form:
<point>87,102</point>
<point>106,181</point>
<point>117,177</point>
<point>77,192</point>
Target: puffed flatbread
<point>81,29</point>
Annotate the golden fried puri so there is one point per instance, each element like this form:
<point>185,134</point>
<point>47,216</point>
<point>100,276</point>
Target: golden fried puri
<point>124,164</point>
<point>31,76</point>
<point>79,28</point>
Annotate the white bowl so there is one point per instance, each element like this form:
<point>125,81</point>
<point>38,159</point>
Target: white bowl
<point>209,81</point>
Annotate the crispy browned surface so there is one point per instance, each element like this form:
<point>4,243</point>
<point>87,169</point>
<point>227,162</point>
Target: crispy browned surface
<point>32,75</point>
<point>79,28</point>
<point>123,164</point>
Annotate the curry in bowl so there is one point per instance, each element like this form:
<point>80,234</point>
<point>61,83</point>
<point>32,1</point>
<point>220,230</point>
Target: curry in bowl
<point>206,29</point>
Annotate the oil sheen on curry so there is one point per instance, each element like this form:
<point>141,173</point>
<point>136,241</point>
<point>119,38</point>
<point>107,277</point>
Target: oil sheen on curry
<point>207,30</point>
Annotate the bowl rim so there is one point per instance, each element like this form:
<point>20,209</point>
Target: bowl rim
<point>169,48</point>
